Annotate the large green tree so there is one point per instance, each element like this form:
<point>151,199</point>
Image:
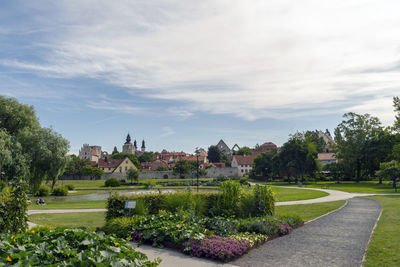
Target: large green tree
<point>352,136</point>
<point>244,151</point>
<point>146,157</point>
<point>37,153</point>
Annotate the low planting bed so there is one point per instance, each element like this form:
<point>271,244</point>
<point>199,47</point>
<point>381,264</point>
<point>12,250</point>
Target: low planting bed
<point>68,247</point>
<point>220,226</point>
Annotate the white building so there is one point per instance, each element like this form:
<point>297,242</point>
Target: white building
<point>92,153</point>
<point>243,163</point>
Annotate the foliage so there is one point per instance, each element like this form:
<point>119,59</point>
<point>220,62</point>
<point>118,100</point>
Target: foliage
<point>70,186</point>
<point>132,157</point>
<point>336,170</point>
<point>69,247</point>
<point>351,137</point>
<point>313,137</point>
<point>133,175</point>
<point>396,105</point>
<point>13,207</point>
<point>229,199</point>
<point>43,191</point>
<point>60,191</point>
<point>216,155</point>
<point>162,168</point>
<point>219,248</point>
<point>146,157</point>
<point>93,172</point>
<point>243,151</point>
<point>182,167</point>
<point>112,182</point>
<point>390,170</point>
<point>37,153</point>
<point>264,203</point>
<point>75,166</point>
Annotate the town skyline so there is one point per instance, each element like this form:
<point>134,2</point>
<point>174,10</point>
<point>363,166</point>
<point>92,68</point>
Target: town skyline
<point>185,75</point>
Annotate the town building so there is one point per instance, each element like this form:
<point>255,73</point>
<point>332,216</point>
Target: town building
<point>327,158</point>
<point>224,148</point>
<point>154,165</point>
<point>109,165</point>
<point>243,163</point>
<point>91,153</point>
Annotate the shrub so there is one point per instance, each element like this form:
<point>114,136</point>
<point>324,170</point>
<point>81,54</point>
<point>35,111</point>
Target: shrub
<point>243,181</point>
<point>13,209</point>
<point>43,191</point>
<point>229,199</point>
<point>70,186</point>
<point>112,182</point>
<point>264,203</point>
<point>177,201</point>
<point>69,247</point>
<point>60,191</point>
<point>141,208</point>
<point>121,227</point>
<point>264,226</point>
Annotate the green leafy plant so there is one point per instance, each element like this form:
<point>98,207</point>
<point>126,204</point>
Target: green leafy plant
<point>70,186</point>
<point>112,182</point>
<point>43,191</point>
<point>60,191</point>
<point>68,247</point>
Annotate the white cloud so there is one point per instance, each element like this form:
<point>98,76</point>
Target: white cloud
<point>252,59</point>
<point>167,131</point>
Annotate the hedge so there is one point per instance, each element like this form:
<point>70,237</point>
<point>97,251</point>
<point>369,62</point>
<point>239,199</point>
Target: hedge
<point>153,202</point>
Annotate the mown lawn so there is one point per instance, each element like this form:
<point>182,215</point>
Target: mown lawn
<point>309,211</point>
<point>289,194</point>
<point>384,247</point>
<point>350,187</point>
<point>98,204</point>
<point>77,219</point>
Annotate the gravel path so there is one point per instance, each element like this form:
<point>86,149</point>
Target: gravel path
<point>337,239</point>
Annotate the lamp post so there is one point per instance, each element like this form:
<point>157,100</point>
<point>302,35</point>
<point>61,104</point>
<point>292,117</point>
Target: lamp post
<point>197,167</point>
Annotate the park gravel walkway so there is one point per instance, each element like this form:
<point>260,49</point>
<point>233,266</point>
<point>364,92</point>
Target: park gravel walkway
<point>337,239</point>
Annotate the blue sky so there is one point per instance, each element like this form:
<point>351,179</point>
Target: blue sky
<point>184,74</point>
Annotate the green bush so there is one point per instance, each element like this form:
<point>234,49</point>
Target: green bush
<point>13,209</point>
<point>43,191</point>
<point>121,227</point>
<point>70,186</point>
<point>176,201</point>
<point>112,182</point>
<point>229,199</point>
<point>201,203</point>
<point>69,247</point>
<point>264,203</point>
<point>60,191</point>
<point>141,208</point>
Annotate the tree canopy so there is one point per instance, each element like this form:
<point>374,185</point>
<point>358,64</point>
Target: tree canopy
<point>36,153</point>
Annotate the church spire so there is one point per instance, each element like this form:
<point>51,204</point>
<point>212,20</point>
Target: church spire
<point>143,146</point>
<point>135,144</point>
<point>128,139</point>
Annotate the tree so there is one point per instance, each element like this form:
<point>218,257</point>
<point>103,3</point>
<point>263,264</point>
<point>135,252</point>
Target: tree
<point>133,175</point>
<point>93,172</point>
<point>396,105</point>
<point>75,165</point>
<point>146,157</point>
<point>352,136</point>
<point>390,170</point>
<point>37,153</point>
<point>115,151</point>
<point>312,136</point>
<point>162,168</point>
<point>298,157</point>
<point>335,170</point>
<point>244,151</point>
<point>132,157</point>
<point>263,164</point>
<point>214,154</point>
<point>181,168</point>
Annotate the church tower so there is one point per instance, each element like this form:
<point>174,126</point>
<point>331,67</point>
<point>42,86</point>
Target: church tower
<point>128,147</point>
<point>143,147</point>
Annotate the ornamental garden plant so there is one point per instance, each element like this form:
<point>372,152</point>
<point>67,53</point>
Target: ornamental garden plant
<point>220,226</point>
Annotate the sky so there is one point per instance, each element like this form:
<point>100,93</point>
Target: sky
<point>185,74</point>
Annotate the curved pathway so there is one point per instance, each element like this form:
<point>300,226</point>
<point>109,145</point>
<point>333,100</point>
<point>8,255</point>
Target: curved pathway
<point>337,239</point>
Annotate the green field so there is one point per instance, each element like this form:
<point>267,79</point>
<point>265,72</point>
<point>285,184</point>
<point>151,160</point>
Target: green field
<point>99,204</point>
<point>90,220</point>
<point>350,187</point>
<point>288,194</point>
<point>309,211</point>
<point>384,248</point>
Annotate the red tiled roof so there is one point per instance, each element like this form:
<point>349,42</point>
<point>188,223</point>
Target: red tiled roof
<point>244,160</point>
<point>110,163</point>
<point>154,165</point>
<point>326,156</point>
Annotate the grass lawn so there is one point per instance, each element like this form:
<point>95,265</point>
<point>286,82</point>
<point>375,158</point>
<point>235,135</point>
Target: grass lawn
<point>98,204</point>
<point>384,247</point>
<point>351,187</point>
<point>77,219</point>
<point>288,194</point>
<point>309,211</point>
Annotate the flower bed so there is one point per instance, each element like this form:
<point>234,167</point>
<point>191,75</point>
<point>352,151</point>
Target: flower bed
<point>68,247</point>
<point>216,238</point>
